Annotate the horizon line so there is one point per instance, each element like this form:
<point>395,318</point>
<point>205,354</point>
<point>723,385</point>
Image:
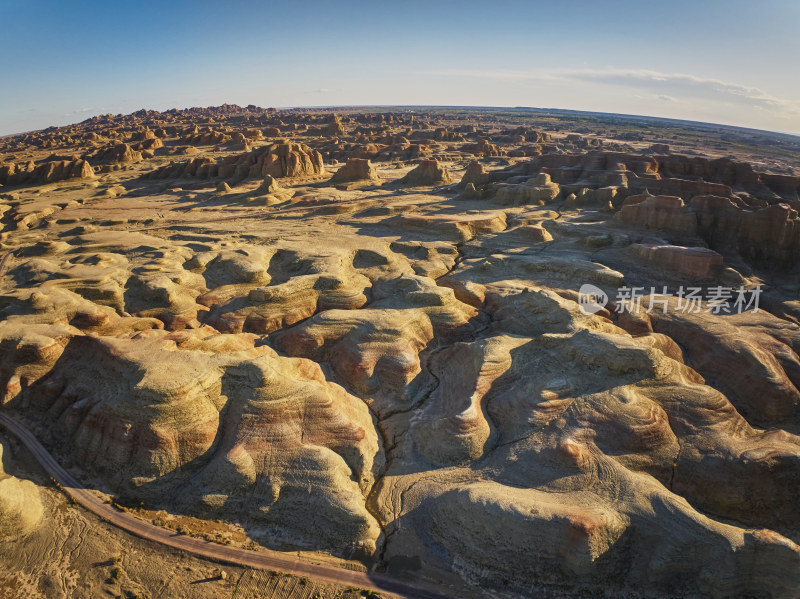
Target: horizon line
<point>428,106</point>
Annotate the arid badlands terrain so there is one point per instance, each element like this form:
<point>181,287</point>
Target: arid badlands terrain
<point>358,338</point>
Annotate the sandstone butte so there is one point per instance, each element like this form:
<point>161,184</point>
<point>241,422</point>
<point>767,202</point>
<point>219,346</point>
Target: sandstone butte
<point>402,373</point>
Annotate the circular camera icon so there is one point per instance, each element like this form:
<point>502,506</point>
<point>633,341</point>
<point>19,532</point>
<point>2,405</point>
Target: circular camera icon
<point>591,299</point>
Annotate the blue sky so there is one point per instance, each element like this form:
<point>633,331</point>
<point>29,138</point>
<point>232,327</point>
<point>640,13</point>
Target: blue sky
<point>725,61</point>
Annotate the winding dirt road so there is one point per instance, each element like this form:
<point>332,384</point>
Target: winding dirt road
<point>201,547</point>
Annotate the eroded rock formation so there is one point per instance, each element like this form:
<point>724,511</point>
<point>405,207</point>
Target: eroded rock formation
<point>20,505</point>
<point>407,373</point>
<point>427,172</point>
<point>355,169</point>
<point>47,172</point>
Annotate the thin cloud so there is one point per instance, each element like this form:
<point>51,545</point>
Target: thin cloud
<point>82,111</point>
<point>501,74</point>
<point>686,86</point>
<point>668,87</point>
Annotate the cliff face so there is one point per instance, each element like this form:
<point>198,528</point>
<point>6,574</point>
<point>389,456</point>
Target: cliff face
<point>427,172</point>
<point>769,235</point>
<point>673,174</point>
<point>356,169</point>
<point>283,159</point>
<point>46,172</point>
